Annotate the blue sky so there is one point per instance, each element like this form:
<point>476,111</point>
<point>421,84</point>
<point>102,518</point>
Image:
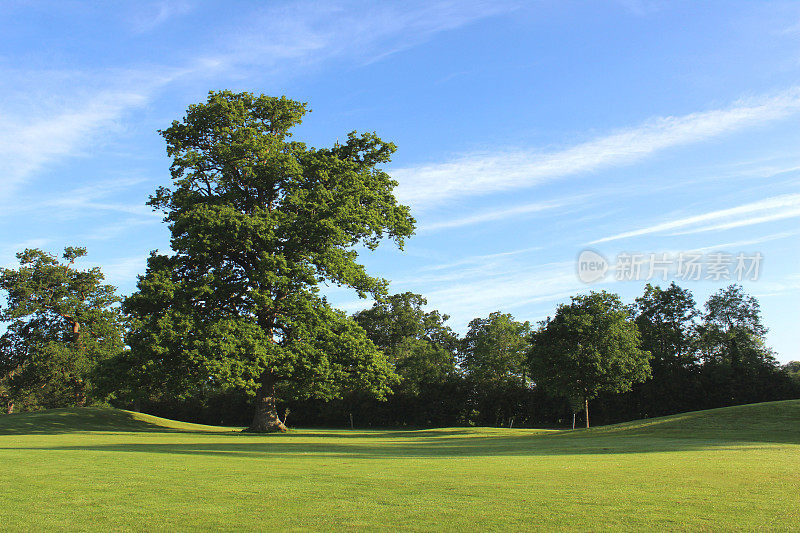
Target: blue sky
<point>526,132</point>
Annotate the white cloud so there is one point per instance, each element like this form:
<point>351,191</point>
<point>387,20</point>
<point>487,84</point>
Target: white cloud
<point>780,214</point>
<point>93,197</point>
<point>491,216</point>
<point>788,284</point>
<point>298,36</point>
<point>481,259</point>
<point>29,143</point>
<point>154,14</point>
<point>769,209</point>
<point>749,242</point>
<point>123,272</point>
<point>483,173</point>
<point>49,115</point>
<point>477,285</point>
<point>46,116</point>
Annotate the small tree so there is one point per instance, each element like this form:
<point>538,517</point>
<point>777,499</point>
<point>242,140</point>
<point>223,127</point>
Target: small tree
<point>61,323</point>
<point>258,221</point>
<point>590,346</point>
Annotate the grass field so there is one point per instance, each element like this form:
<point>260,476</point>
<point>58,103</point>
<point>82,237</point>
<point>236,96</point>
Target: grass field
<point>107,470</point>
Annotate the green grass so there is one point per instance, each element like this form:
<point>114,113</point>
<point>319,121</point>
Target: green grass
<point>108,470</point>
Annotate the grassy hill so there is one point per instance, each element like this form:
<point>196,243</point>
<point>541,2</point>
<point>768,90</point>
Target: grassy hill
<point>59,421</point>
<point>104,469</point>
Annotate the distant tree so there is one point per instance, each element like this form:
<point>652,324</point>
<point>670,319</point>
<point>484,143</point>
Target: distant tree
<point>666,319</point>
<point>792,369</point>
<point>418,343</point>
<point>61,322</point>
<point>496,348</point>
<point>493,356</point>
<point>590,346</point>
<point>732,332</point>
<point>258,222</point>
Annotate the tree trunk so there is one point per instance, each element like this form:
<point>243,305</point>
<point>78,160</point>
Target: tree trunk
<point>586,411</point>
<point>266,418</point>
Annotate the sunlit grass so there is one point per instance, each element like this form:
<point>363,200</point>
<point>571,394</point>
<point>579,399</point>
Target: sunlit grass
<point>107,470</point>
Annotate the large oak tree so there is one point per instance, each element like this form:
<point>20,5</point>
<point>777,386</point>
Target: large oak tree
<point>258,222</point>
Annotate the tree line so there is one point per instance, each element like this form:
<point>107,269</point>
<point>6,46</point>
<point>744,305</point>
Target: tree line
<point>65,346</point>
<point>230,326</point>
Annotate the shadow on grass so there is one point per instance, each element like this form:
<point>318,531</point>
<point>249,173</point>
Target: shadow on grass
<point>750,425</point>
<point>85,419</point>
<point>542,444</point>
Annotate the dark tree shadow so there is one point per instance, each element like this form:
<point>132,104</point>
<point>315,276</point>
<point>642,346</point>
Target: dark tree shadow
<point>752,425</point>
<point>560,443</point>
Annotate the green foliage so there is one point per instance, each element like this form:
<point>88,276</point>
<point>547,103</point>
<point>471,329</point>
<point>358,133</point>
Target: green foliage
<point>62,322</point>
<point>666,321</point>
<point>418,343</point>
<point>495,348</point>
<point>792,369</point>
<point>732,332</point>
<point>258,222</point>
<point>590,346</point>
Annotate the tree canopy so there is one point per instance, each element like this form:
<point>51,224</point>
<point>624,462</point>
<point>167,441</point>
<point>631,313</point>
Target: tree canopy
<point>61,323</point>
<point>418,343</point>
<point>590,346</point>
<point>258,221</point>
<point>732,332</point>
<point>495,348</point>
<point>666,322</point>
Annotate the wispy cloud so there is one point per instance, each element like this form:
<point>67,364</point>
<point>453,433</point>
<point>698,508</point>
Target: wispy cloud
<point>474,286</point>
<point>788,284</point>
<point>494,215</point>
<point>26,145</point>
<point>111,231</point>
<point>480,259</point>
<point>511,281</point>
<point>284,40</point>
<point>69,110</point>
<point>95,197</point>
<point>504,287</point>
<point>53,115</point>
<point>298,36</point>
<point>749,242</point>
<point>767,210</point>
<point>483,173</point>
<point>151,15</point>
<point>122,272</point>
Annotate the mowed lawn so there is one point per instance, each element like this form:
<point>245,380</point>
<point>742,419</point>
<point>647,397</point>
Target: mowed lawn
<point>107,470</point>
